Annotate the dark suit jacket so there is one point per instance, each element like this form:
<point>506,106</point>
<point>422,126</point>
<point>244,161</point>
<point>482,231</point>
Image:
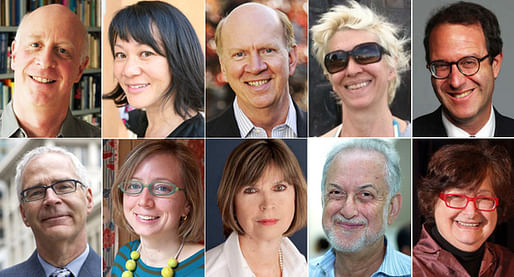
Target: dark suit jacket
<point>92,267</point>
<point>225,125</point>
<point>431,125</point>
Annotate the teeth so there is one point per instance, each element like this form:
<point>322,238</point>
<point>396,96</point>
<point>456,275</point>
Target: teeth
<point>257,83</point>
<point>463,94</point>
<point>358,86</point>
<point>468,224</point>
<point>144,217</point>
<point>42,80</point>
<point>138,86</point>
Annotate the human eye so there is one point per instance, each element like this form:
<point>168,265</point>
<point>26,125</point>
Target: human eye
<point>268,50</point>
<point>34,192</point>
<point>280,187</point>
<point>336,194</point>
<point>119,55</point>
<point>366,196</point>
<point>249,190</point>
<point>35,44</point>
<point>238,55</point>
<point>133,186</point>
<point>162,188</point>
<point>64,186</point>
<point>146,54</point>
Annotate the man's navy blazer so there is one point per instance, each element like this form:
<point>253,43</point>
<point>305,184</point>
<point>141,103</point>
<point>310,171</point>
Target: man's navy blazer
<point>92,267</point>
<point>225,125</point>
<point>431,125</point>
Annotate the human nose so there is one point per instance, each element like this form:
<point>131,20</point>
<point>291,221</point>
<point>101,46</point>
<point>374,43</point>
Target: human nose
<point>456,79</point>
<point>470,207</point>
<point>353,67</point>
<point>255,64</point>
<point>45,58</point>
<point>349,208</point>
<point>51,198</point>
<point>131,67</point>
<point>145,198</point>
<point>267,201</point>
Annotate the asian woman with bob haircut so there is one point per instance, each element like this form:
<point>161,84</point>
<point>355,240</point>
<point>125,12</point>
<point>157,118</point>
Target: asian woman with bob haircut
<point>159,66</point>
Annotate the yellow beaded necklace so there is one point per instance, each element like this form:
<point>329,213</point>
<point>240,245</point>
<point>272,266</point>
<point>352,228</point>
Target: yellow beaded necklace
<point>166,271</point>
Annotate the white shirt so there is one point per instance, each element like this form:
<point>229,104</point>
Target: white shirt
<point>487,130</point>
<point>284,130</point>
<point>227,259</point>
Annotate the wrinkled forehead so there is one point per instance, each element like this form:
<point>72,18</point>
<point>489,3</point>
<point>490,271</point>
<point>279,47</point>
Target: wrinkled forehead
<point>48,167</point>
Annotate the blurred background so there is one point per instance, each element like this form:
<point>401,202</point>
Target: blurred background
<point>219,95</point>
<point>16,240</point>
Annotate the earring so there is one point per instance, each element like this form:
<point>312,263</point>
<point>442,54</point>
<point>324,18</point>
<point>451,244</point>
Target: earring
<point>184,218</point>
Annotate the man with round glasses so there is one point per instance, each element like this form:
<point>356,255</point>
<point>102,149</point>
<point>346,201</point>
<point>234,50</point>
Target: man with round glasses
<point>463,52</point>
<point>55,201</point>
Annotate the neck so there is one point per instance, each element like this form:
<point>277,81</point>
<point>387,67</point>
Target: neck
<point>262,256</point>
<point>372,122</point>
<point>39,121</point>
<point>473,125</point>
<point>156,252</point>
<point>162,121</point>
<point>362,263</point>
<point>268,117</point>
<point>60,253</point>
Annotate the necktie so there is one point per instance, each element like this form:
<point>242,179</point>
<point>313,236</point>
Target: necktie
<point>62,272</point>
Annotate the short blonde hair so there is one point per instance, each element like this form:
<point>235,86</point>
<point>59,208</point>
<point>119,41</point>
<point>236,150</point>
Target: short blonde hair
<point>245,165</point>
<point>287,28</point>
<point>360,17</point>
<point>191,229</point>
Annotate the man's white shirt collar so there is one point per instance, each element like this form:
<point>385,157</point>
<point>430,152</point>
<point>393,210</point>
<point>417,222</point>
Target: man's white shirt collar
<point>486,132</point>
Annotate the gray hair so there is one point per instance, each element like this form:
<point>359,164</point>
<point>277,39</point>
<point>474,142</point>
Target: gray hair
<point>80,170</point>
<point>392,165</point>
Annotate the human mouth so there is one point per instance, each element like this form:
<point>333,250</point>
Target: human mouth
<point>42,80</point>
<point>268,222</point>
<point>461,94</point>
<point>146,217</point>
<point>357,85</point>
<point>258,83</point>
<point>467,224</point>
<point>138,86</point>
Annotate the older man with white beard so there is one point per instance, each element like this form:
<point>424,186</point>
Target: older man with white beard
<point>360,195</point>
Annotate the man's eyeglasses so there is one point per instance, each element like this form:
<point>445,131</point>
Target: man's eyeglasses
<point>460,201</point>
<point>158,188</point>
<point>59,187</point>
<point>468,66</point>
<point>365,53</point>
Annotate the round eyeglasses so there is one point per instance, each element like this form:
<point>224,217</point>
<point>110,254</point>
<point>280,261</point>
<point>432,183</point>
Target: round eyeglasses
<point>468,66</point>
<point>59,187</point>
<point>158,188</point>
<point>461,201</point>
<point>365,53</point>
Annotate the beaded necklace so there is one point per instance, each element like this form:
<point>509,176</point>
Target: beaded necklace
<point>166,271</point>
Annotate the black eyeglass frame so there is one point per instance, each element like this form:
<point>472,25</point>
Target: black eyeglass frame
<point>431,66</point>
<point>381,50</point>
<point>443,197</point>
<point>143,186</point>
<point>52,186</point>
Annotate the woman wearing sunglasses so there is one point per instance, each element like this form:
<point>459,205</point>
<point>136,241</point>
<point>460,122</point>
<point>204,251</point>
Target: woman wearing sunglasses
<point>466,191</point>
<point>158,196</point>
<point>362,56</point>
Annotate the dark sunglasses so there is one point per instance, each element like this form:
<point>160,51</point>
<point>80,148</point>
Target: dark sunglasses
<point>366,53</point>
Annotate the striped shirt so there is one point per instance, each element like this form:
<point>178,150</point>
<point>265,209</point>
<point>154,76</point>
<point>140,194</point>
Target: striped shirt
<point>284,130</point>
<point>395,264</point>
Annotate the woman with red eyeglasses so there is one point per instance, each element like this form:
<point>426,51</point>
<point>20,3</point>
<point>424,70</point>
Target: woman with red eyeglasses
<point>362,55</point>
<point>467,190</point>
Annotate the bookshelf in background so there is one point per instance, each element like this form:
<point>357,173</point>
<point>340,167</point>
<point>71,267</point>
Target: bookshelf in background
<point>86,94</point>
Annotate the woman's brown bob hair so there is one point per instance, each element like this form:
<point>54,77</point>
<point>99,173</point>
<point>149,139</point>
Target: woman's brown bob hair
<point>466,166</point>
<point>190,229</point>
<point>245,165</point>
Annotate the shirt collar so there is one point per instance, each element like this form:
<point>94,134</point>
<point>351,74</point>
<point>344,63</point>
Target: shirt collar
<point>10,127</point>
<point>74,266</point>
<point>487,130</point>
<point>248,129</point>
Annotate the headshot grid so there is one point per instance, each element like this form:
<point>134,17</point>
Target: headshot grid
<point>256,138</point>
